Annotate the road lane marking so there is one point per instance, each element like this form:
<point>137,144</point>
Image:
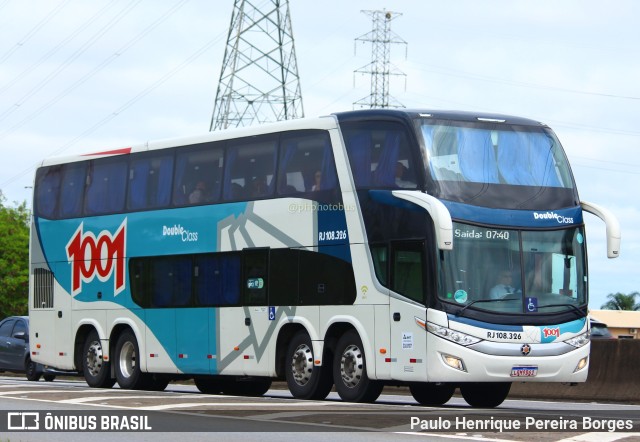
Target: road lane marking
<point>9,393</point>
<point>599,437</point>
<point>83,400</point>
<point>223,405</point>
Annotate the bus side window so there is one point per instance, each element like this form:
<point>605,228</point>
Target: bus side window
<point>150,183</point>
<point>106,186</point>
<point>198,175</point>
<point>326,279</point>
<point>139,281</point>
<point>171,281</point>
<point>306,164</point>
<point>283,276</point>
<point>47,191</point>
<point>408,270</point>
<point>380,255</point>
<point>217,279</point>
<point>250,169</point>
<point>380,155</point>
<point>72,189</point>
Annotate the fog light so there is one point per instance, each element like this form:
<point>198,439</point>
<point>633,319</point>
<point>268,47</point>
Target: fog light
<point>581,364</point>
<point>453,362</point>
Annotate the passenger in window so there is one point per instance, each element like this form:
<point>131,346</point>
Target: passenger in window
<point>198,194</point>
<point>401,173</point>
<point>259,187</point>
<point>317,178</point>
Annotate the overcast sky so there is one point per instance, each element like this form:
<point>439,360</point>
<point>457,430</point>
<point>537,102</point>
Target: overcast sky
<point>79,76</point>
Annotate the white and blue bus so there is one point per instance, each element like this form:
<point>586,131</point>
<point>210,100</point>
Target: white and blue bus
<point>437,250</point>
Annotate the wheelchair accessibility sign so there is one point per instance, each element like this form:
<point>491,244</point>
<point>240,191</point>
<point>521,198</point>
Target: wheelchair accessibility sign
<point>272,313</point>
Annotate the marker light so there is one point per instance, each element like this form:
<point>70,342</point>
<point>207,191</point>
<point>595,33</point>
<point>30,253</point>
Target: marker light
<point>452,335</point>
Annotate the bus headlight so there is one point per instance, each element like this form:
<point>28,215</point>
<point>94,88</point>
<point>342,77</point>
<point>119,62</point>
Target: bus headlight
<point>452,335</point>
<point>579,341</point>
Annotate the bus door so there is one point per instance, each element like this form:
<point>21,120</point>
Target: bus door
<point>244,330</point>
<point>408,338</point>
<point>256,328</point>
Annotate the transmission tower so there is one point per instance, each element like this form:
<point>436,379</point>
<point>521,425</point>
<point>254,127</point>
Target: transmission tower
<point>381,38</point>
<point>259,80</point>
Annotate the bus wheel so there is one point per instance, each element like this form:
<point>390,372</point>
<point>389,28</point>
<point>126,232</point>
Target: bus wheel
<point>30,369</point>
<point>208,384</point>
<point>306,381</point>
<point>246,387</point>
<point>431,393</point>
<point>95,369</point>
<point>486,394</point>
<point>350,371</point>
<point>49,377</point>
<point>155,382</point>
<point>127,366</point>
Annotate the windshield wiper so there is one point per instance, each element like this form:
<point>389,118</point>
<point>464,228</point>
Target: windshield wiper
<point>484,300</point>
<point>580,312</point>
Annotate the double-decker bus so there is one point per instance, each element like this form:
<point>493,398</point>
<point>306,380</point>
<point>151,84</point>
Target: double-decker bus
<point>437,250</point>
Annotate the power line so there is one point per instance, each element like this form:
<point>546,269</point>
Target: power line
<point>464,74</point>
<point>88,43</point>
<point>555,123</point>
<point>34,30</point>
<point>193,57</point>
<point>97,69</point>
<point>56,48</point>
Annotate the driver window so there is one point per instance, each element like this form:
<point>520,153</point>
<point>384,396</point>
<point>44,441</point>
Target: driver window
<point>408,270</point>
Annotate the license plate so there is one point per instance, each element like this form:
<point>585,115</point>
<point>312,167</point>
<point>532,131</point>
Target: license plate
<point>524,372</point>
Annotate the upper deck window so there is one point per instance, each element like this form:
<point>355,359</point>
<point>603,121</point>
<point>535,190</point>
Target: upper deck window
<point>380,155</point>
<point>496,164</point>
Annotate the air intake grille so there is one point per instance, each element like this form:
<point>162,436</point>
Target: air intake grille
<point>42,288</point>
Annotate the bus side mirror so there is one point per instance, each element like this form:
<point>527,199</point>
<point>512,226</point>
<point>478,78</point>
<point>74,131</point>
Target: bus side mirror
<point>612,226</point>
<point>438,212</point>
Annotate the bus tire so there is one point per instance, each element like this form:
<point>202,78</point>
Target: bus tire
<point>304,379</point>
<point>208,384</point>
<point>97,371</point>
<point>247,387</point>
<point>350,371</point>
<point>127,364</point>
<point>156,382</point>
<point>431,393</point>
<point>485,394</point>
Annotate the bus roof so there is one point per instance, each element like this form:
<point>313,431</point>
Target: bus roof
<point>322,123</point>
<point>452,115</point>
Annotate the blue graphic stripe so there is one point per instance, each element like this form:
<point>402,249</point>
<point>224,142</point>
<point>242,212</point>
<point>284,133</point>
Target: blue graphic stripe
<point>515,218</point>
<point>482,324</point>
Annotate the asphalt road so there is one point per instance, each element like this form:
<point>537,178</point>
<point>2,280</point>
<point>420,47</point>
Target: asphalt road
<point>68,410</point>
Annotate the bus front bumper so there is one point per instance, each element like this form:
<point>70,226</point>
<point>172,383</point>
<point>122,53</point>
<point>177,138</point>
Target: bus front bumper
<point>456,363</point>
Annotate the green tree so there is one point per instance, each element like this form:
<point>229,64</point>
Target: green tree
<point>14,258</point>
<point>622,301</point>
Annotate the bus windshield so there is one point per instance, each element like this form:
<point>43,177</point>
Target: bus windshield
<point>514,271</point>
<point>471,161</point>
